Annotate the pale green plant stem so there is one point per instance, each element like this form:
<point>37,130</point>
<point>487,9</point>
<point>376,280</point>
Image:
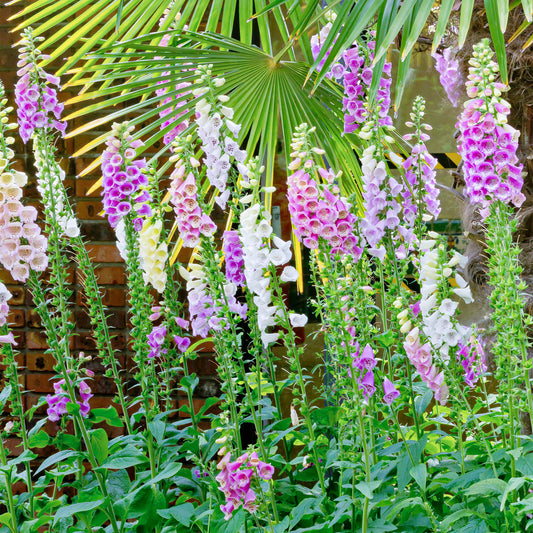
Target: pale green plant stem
<point>9,490</point>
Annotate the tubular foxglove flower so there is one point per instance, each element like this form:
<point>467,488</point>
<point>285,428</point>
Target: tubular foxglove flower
<point>390,392</point>
<point>487,143</point>
<point>22,246</point>
<point>450,77</point>
<point>35,96</point>
<point>153,253</point>
<point>123,176</point>
<point>318,212</point>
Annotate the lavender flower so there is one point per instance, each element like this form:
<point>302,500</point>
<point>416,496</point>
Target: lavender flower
<point>233,258</point>
<point>156,339</point>
<point>390,392</point>
<point>450,77</point>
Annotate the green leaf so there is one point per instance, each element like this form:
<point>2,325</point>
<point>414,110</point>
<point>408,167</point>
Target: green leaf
<point>386,339</point>
<point>327,416</point>
<point>5,393</point>
<point>39,440</point>
<point>100,444</point>
<point>525,465</point>
<point>419,20</point>
<point>422,401</point>
<point>467,7</point>
<point>169,471</point>
<point>402,504</point>
<point>157,429</point>
<point>367,488</point>
<point>452,518</point>
<point>5,519</point>
<point>301,510</point>
<point>181,513</point>
<point>420,473</point>
<point>514,484</point>
<point>56,458</point>
<point>391,23</point>
<point>70,510</point>
<point>73,408</point>
<point>492,9</point>
<point>109,415</point>
<point>444,15</point>
<point>486,486</point>
<point>128,456</point>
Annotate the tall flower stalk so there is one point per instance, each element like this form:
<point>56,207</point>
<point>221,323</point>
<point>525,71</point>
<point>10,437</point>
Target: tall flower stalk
<point>493,177</point>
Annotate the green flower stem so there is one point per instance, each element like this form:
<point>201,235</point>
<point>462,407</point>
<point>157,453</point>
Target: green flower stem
<point>10,500</point>
<point>99,323</point>
<point>8,360</point>
<point>140,305</point>
<point>289,340</point>
<point>217,283</point>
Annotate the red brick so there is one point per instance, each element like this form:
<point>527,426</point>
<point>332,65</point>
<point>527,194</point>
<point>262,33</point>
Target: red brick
<point>83,185</point>
<point>104,253</point>
<point>36,340</point>
<point>202,365</point>
<point>16,318</point>
<point>17,295</point>
<point>111,275</point>
<point>40,382</point>
<point>40,362</point>
<point>86,210</point>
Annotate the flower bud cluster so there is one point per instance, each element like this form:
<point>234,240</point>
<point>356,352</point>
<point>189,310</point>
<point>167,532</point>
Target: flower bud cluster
<point>422,193</point>
<point>123,177</point>
<point>450,77</point>
<point>173,98</point>
<point>190,219</point>
<point>318,211</point>
<point>36,101</point>
<point>49,184</point>
<point>487,143</point>
<point>235,481</point>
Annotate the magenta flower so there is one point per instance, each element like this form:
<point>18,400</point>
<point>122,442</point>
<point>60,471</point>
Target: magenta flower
<point>122,178</point>
<point>390,392</point>
<point>487,143</point>
<point>57,404</point>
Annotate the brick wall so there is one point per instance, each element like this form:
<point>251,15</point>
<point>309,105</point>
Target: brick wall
<point>35,365</point>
